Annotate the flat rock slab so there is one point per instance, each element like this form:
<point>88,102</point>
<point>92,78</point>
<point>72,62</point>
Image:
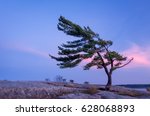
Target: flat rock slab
<point>79,96</point>
<point>111,95</point>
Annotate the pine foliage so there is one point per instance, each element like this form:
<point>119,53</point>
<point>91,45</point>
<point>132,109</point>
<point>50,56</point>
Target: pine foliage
<point>90,45</point>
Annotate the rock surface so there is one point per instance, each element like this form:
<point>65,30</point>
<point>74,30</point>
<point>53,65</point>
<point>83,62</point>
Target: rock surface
<point>53,90</point>
<point>112,95</point>
<point>79,96</point>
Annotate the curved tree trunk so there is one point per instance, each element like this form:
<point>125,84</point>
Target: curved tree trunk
<point>109,82</point>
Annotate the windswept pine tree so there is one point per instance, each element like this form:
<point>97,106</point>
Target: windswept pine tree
<point>89,45</point>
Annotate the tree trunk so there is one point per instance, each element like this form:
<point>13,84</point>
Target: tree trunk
<point>109,82</point>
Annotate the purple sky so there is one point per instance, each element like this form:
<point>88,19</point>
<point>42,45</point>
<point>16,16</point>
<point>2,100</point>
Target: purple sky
<point>28,33</point>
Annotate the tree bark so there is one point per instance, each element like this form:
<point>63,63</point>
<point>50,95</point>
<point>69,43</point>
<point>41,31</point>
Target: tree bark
<point>109,82</point>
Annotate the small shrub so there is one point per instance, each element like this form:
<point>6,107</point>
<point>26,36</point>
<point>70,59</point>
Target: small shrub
<point>86,82</point>
<point>148,89</point>
<point>64,80</point>
<point>71,81</point>
<point>47,80</point>
<point>91,90</point>
<point>59,78</point>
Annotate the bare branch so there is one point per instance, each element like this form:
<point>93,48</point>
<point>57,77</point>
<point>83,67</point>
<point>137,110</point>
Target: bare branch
<point>123,64</point>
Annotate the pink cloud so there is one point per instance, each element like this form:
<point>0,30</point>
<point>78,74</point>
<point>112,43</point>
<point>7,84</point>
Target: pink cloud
<point>140,54</point>
<point>87,60</point>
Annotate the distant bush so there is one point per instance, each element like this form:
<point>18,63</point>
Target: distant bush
<point>47,80</point>
<point>64,80</point>
<point>59,78</point>
<point>148,89</point>
<point>86,82</point>
<point>91,90</point>
<point>71,81</point>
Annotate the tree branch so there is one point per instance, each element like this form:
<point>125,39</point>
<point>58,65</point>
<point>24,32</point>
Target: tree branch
<point>111,61</point>
<point>123,64</point>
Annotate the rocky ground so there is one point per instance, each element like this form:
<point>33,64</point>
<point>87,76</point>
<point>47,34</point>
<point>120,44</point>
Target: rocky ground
<point>53,90</point>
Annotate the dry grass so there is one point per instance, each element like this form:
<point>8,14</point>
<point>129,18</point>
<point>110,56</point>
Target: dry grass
<point>91,90</point>
<point>33,93</point>
<point>129,92</point>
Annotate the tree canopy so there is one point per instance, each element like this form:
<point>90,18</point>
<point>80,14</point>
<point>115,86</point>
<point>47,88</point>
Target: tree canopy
<point>89,45</point>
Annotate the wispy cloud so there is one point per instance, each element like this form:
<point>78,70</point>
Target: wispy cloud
<point>27,49</point>
<point>140,54</point>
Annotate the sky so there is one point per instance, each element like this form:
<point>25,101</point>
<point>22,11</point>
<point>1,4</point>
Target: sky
<point>28,33</point>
